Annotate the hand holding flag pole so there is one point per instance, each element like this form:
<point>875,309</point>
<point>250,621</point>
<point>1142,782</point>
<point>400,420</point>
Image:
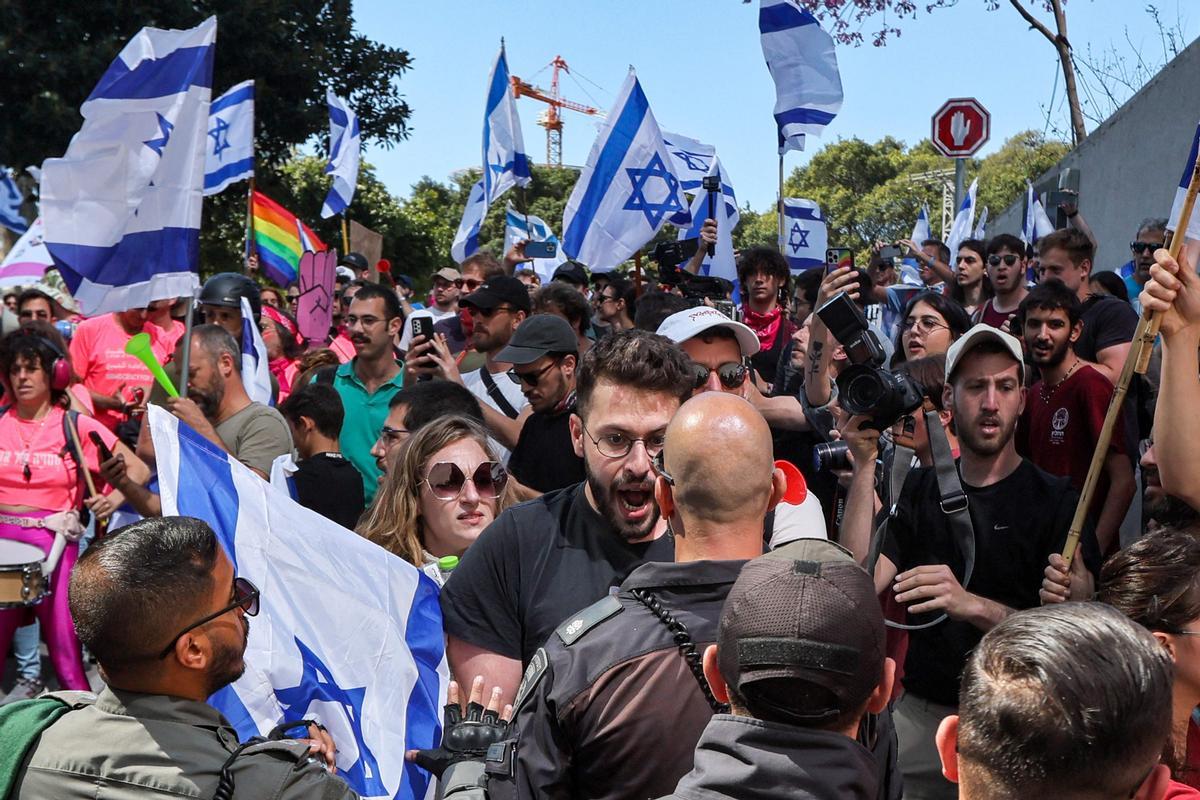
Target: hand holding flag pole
<point>1137,361</point>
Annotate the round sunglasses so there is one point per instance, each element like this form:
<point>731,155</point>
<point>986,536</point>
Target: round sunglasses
<point>447,480</point>
<point>732,374</point>
<point>1008,258</point>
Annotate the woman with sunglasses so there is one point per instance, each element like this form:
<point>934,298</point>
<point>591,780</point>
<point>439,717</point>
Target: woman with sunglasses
<point>445,488</point>
<point>971,286</point>
<point>929,325</point>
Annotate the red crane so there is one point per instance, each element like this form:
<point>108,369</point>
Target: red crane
<point>550,119</point>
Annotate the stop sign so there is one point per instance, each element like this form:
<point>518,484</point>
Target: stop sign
<point>960,127</point>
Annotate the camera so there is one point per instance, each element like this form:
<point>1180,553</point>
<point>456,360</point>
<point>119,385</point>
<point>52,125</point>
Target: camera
<point>694,288</point>
<point>831,456</point>
<point>864,387</point>
<point>889,254</point>
<point>671,254</point>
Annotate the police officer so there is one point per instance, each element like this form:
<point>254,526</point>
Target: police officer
<point>159,606</point>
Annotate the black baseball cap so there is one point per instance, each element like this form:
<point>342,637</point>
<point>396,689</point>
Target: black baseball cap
<point>804,612</point>
<point>497,290</point>
<point>404,279</point>
<point>537,336</point>
<point>572,272</point>
<point>355,261</point>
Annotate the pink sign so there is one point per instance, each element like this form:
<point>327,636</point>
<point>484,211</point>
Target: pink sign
<point>314,309</point>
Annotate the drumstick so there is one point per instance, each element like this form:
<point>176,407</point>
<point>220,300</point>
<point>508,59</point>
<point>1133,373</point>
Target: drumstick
<point>1137,361</point>
<point>87,476</point>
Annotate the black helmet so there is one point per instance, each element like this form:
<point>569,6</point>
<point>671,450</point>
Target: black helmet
<point>355,261</point>
<point>228,289</point>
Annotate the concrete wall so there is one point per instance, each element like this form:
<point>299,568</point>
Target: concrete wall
<point>1129,167</point>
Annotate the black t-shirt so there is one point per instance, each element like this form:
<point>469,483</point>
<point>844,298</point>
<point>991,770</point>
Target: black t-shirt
<point>331,486</point>
<point>1018,522</point>
<point>1107,321</point>
<point>537,564</point>
<point>544,458</point>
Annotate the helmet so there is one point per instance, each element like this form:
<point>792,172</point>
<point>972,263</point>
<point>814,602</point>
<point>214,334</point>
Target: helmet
<point>355,261</point>
<point>228,289</point>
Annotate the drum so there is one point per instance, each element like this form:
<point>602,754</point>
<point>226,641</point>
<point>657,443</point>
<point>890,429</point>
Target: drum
<point>22,582</point>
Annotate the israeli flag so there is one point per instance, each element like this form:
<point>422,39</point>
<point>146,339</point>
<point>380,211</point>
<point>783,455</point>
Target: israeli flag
<point>981,225</point>
<point>346,633</point>
<point>345,147</point>
<point>10,203</point>
<point>805,236</point>
<point>803,64</point>
<point>466,238</point>
<point>122,207</point>
<point>230,154</point>
<point>28,259</point>
<point>628,188</point>
<point>256,371</point>
<point>1037,223</point>
<point>692,160</point>
<point>1193,224</point>
<point>722,263</point>
<point>515,230</point>
<point>921,231</point>
<point>964,221</point>
<point>504,161</point>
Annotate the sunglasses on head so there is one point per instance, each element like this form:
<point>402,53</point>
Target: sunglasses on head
<point>1008,258</point>
<point>446,480</point>
<point>731,374</point>
<point>1141,247</point>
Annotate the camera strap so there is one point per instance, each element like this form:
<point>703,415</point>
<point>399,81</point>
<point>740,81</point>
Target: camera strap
<point>951,499</point>
<point>502,404</point>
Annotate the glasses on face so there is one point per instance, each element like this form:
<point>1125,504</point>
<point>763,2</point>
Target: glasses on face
<point>488,313</point>
<point>446,480</point>
<point>923,325</point>
<point>731,374</point>
<point>601,299</point>
<point>245,597</point>
<point>1008,258</point>
<point>531,378</point>
<point>368,321</point>
<point>968,259</point>
<point>1142,247</point>
<point>392,436</point>
<point>659,464</point>
<point>618,445</point>
<point>470,284</point>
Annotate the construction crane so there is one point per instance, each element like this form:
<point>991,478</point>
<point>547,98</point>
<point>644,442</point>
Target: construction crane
<point>550,119</point>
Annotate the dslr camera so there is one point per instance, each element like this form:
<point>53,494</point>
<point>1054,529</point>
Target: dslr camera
<point>696,289</point>
<point>865,387</point>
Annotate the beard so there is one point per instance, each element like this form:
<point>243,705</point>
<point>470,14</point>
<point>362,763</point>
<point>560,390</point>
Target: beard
<point>209,399</point>
<point>1056,356</point>
<point>971,439</point>
<point>610,504</point>
<point>228,662</point>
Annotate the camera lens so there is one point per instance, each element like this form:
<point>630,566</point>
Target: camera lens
<point>831,455</point>
<point>862,388</point>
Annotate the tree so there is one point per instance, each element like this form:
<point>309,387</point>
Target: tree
<point>52,54</point>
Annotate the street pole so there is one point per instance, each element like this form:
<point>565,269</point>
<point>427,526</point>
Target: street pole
<point>960,179</point>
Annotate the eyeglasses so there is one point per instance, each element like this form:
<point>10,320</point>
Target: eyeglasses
<point>1141,247</point>
<point>392,435</point>
<point>923,325</point>
<point>1184,633</point>
<point>601,299</point>
<point>447,480</point>
<point>658,462</point>
<point>1008,258</point>
<point>732,374</point>
<point>968,259</point>
<point>470,284</point>
<point>367,321</point>
<point>245,597</point>
<point>531,378</point>
<point>618,445</point>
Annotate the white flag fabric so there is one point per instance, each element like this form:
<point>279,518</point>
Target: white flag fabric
<point>692,159</point>
<point>28,259</point>
<point>964,222</point>
<point>1192,229</point>
<point>981,225</point>
<point>1037,223</point>
<point>256,372</point>
<point>722,263</point>
<point>466,238</point>
<point>805,236</point>
<point>627,190</point>
<point>537,230</point>
<point>230,154</point>
<point>921,231</point>
<point>504,162</point>
<point>347,633</point>
<point>345,149</point>
<point>803,64</point>
<point>122,207</point>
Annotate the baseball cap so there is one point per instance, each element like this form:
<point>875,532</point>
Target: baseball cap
<point>355,261</point>
<point>571,272</point>
<point>448,274</point>
<point>497,290</point>
<point>979,334</point>
<point>537,336</point>
<point>404,279</point>
<point>683,325</point>
<point>345,272</point>
<point>805,612</point>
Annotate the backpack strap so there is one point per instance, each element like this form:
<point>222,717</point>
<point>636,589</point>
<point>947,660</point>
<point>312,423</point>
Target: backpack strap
<point>497,396</point>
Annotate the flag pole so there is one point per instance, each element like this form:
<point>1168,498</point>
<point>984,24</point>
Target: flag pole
<point>186,358</point>
<point>345,235</point>
<point>249,222</point>
<point>779,205</point>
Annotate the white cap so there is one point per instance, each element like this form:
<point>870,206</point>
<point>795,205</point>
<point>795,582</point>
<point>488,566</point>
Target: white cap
<point>344,272</point>
<point>683,325</point>
<point>979,334</point>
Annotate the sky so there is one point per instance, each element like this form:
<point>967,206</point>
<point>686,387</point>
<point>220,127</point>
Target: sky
<point>701,66</point>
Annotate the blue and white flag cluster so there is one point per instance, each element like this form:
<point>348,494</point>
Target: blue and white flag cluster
<point>803,64</point>
<point>1037,223</point>
<point>537,230</point>
<point>345,149</point>
<point>921,231</point>
<point>367,660</point>
<point>628,188</point>
<point>466,238</point>
<point>693,160</point>
<point>11,198</point>
<point>1192,229</point>
<point>805,236</point>
<point>504,162</point>
<point>122,207</point>
<point>230,154</point>
<point>256,371</point>
<point>722,263</point>
<point>964,222</point>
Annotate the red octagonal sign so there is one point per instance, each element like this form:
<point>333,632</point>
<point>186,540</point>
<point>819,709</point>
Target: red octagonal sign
<point>960,127</point>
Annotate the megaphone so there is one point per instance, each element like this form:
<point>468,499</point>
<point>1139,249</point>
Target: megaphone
<point>797,489</point>
<point>138,346</point>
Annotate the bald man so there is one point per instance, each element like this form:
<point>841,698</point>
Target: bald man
<point>613,705</point>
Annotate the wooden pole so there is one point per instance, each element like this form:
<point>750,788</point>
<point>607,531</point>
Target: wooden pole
<point>249,222</point>
<point>1137,361</point>
<point>637,273</point>
<point>87,476</point>
<point>185,360</point>
<point>345,236</point>
<point>779,206</point>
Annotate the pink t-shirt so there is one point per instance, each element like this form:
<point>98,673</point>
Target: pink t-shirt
<point>99,358</point>
<point>165,339</point>
<point>54,482</point>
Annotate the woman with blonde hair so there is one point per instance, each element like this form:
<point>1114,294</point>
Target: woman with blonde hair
<point>445,487</point>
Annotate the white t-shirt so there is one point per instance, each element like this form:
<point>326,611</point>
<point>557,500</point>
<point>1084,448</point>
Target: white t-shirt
<point>509,389</point>
<point>792,522</point>
<point>432,312</point>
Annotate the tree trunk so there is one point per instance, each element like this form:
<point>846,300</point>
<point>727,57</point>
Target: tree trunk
<point>1062,44</point>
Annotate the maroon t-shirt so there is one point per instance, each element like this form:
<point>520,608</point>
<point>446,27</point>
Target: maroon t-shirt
<point>988,315</point>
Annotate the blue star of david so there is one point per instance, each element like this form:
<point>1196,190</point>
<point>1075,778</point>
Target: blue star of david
<point>694,161</point>
<point>317,683</point>
<point>220,137</point>
<point>165,128</point>
<point>797,238</point>
<point>655,212</point>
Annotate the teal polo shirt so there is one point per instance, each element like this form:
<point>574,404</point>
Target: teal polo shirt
<point>364,416</point>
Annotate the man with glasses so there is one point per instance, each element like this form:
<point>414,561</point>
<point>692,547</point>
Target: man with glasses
<point>1151,235</point>
<point>1006,270</point>
<point>367,382</point>
<point>414,407</point>
<point>544,560</point>
<point>160,608</point>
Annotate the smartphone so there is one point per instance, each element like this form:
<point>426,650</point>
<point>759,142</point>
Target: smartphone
<point>889,253</point>
<point>105,453</point>
<point>838,257</point>
<point>423,326</point>
<point>541,249</point>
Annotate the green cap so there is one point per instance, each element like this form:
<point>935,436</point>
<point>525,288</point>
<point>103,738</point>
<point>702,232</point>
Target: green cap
<point>447,563</point>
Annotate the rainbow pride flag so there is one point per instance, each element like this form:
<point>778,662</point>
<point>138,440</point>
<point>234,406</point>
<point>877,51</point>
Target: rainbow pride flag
<point>280,238</point>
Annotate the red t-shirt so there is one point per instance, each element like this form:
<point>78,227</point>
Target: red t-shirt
<point>54,481</point>
<point>99,358</point>
<point>988,315</point>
